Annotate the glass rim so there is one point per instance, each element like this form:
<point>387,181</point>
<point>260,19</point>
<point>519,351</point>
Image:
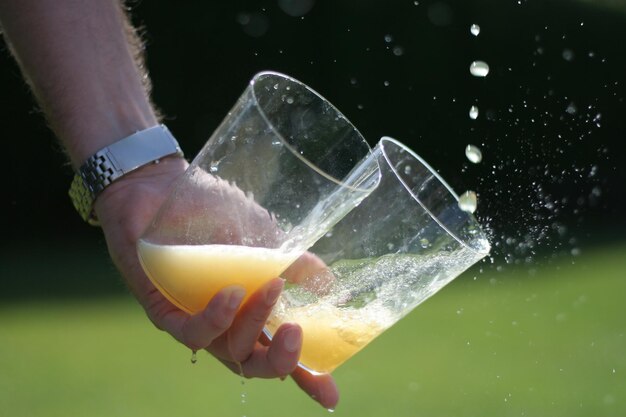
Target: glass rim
<point>443,182</point>
<point>301,157</point>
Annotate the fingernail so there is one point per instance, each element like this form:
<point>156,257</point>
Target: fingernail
<point>273,292</point>
<point>236,296</point>
<point>293,339</point>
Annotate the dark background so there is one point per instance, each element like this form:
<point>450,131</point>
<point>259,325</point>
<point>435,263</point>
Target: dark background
<point>551,124</point>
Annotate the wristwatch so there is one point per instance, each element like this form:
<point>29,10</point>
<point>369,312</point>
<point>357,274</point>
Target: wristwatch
<point>116,160</point>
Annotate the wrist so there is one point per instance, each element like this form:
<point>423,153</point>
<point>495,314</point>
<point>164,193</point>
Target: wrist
<point>105,124</point>
<point>164,173</point>
<point>112,163</point>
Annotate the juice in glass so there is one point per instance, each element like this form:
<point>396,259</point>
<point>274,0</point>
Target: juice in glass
<point>190,275</point>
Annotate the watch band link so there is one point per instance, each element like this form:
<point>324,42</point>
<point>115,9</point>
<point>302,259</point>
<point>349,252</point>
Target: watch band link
<point>116,160</point>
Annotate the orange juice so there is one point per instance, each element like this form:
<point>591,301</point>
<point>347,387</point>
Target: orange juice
<point>331,335</point>
<point>190,275</point>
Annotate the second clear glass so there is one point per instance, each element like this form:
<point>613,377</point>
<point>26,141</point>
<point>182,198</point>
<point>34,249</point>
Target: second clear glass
<point>401,245</point>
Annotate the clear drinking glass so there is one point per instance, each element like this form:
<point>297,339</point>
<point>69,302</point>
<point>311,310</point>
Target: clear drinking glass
<point>402,244</point>
<point>275,175</point>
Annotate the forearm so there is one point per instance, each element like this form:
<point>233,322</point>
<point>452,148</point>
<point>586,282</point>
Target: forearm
<point>82,61</point>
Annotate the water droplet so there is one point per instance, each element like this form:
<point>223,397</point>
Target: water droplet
<point>596,191</point>
<point>243,18</point>
<point>386,83</point>
<point>475,29</point>
<point>571,108</point>
<point>388,38</point>
<point>194,359</point>
<point>568,54</point>
<point>296,8</point>
<point>473,153</point>
<point>407,169</point>
<point>424,243</point>
<point>473,113</point>
<point>479,69</point>
<point>331,410</point>
<point>398,50</point>
<point>468,202</point>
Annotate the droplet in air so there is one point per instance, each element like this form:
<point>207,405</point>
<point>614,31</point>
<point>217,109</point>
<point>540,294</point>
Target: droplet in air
<point>407,170</point>
<point>479,69</point>
<point>296,8</point>
<point>475,29</point>
<point>473,113</point>
<point>388,38</point>
<point>468,202</point>
<point>331,410</point>
<point>568,54</point>
<point>398,50</point>
<point>194,358</point>
<point>571,108</point>
<point>473,153</point>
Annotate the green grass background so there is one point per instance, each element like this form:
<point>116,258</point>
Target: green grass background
<point>513,343</point>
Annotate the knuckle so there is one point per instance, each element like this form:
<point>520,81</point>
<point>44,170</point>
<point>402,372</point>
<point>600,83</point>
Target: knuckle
<point>218,322</point>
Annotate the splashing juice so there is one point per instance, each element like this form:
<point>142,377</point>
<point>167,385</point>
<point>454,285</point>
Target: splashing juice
<point>368,296</point>
<point>190,275</point>
<point>332,335</point>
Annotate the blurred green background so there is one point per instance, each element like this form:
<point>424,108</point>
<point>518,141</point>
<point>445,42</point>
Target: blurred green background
<point>536,330</point>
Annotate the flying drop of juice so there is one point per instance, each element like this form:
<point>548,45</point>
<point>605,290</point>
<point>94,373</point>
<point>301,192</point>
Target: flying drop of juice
<point>468,202</point>
<point>475,29</point>
<point>479,69</point>
<point>473,113</point>
<point>473,153</point>
<point>194,359</point>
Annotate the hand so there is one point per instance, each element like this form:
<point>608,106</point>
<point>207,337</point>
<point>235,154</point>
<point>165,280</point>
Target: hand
<point>125,209</point>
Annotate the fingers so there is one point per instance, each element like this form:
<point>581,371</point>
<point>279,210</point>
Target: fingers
<point>199,330</point>
<point>279,359</point>
<point>246,329</point>
<point>321,388</point>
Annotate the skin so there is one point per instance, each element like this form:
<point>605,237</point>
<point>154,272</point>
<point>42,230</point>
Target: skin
<point>81,60</point>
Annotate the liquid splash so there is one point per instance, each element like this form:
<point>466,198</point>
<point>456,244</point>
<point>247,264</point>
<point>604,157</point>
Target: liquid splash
<point>473,113</point>
<point>479,69</point>
<point>473,154</point>
<point>468,202</point>
<point>475,29</point>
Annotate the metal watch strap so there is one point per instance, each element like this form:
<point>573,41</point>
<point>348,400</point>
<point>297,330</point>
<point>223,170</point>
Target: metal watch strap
<point>116,160</point>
